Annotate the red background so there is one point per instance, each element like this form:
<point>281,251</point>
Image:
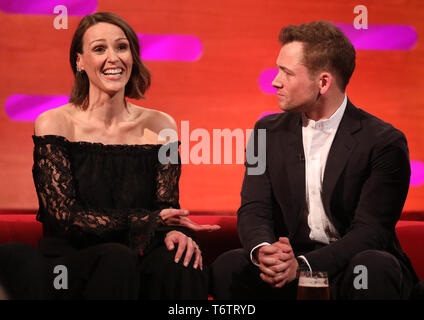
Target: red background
<point>220,90</point>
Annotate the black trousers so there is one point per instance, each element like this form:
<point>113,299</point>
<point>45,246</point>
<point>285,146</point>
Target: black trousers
<point>22,272</point>
<point>234,276</point>
<point>104,271</point>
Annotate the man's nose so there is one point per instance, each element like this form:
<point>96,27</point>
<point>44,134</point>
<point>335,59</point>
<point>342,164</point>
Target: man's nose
<point>277,83</point>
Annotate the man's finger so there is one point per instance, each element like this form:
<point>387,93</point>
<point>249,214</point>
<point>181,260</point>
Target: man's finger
<point>266,278</point>
<point>267,271</point>
<point>280,284</point>
<point>279,268</point>
<point>269,261</point>
<point>284,240</point>
<point>281,279</point>
<point>281,276</point>
<point>272,280</point>
<point>283,247</point>
<point>268,250</point>
<point>286,256</point>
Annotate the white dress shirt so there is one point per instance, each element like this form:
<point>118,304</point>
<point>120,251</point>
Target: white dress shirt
<point>317,137</point>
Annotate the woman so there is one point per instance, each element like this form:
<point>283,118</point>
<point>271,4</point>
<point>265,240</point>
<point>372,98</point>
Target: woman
<point>109,208</point>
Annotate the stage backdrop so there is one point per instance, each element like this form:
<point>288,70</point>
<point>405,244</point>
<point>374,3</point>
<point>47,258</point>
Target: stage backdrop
<point>212,64</point>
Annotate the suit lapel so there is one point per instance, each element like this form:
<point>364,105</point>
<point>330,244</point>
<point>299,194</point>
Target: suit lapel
<point>294,159</point>
<point>295,169</point>
<point>340,151</point>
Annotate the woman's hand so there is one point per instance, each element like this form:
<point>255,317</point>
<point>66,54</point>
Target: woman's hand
<point>186,244</point>
<point>178,217</point>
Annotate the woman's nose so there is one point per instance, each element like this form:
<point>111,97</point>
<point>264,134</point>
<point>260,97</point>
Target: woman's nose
<point>112,56</point>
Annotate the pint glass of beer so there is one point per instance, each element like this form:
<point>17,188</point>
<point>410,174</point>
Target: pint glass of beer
<point>313,286</point>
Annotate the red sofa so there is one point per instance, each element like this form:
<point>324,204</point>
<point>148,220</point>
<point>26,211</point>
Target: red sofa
<point>16,226</point>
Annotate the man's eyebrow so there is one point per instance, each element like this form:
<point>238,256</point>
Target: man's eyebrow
<point>105,40</point>
<point>284,68</point>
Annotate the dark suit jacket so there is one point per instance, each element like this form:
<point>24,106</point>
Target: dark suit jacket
<point>366,181</point>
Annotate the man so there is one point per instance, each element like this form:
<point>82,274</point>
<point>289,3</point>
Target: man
<point>335,184</point>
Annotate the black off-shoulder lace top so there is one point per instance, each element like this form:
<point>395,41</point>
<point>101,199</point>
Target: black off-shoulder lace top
<point>92,193</point>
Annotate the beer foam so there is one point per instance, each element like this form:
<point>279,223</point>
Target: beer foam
<point>313,282</point>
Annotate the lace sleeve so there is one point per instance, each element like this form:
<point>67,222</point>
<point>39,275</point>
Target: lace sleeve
<point>167,191</point>
<point>61,209</point>
<point>167,188</point>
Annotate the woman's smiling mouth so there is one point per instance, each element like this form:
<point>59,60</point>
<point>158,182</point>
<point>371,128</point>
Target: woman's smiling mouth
<point>113,73</point>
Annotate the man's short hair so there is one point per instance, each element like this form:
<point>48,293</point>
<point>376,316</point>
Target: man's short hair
<point>326,48</point>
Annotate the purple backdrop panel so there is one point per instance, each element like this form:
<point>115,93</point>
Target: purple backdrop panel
<point>170,47</point>
<point>74,7</point>
<point>381,37</point>
<point>23,107</point>
<point>376,37</point>
<point>265,80</point>
<point>417,173</point>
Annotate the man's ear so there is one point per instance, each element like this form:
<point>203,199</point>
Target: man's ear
<point>326,80</point>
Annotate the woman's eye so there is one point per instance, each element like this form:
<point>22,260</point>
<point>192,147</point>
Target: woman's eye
<point>99,49</point>
<point>123,47</point>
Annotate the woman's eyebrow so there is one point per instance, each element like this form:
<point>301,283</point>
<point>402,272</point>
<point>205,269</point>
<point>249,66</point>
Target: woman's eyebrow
<point>105,40</point>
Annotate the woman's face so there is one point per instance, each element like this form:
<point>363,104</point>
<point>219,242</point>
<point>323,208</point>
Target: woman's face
<point>106,57</point>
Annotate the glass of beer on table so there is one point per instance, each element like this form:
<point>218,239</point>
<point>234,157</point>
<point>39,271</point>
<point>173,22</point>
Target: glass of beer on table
<point>313,286</point>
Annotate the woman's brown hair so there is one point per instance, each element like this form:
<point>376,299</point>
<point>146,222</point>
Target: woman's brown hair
<point>139,80</point>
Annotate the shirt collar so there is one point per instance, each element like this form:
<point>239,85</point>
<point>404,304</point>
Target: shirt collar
<point>326,124</point>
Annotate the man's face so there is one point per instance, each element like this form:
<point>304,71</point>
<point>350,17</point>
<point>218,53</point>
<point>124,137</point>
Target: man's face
<point>297,90</point>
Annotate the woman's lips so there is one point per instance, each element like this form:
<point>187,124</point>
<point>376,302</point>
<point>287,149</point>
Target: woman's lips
<point>113,73</point>
<point>112,76</point>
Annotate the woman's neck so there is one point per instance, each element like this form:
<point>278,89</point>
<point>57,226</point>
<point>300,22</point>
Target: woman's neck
<point>105,109</point>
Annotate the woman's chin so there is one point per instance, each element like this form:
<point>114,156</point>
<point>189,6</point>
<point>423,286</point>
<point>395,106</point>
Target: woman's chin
<point>112,90</point>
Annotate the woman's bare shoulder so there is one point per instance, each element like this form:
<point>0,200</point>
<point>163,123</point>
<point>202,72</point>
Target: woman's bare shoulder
<point>54,122</point>
<point>155,122</point>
